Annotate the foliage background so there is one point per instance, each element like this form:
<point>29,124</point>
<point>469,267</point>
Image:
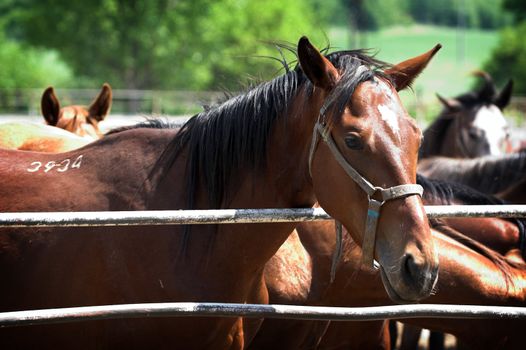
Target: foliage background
<point>204,45</point>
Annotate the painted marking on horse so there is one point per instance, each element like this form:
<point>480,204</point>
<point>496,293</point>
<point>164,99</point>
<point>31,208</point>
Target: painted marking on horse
<point>61,166</point>
<point>492,122</point>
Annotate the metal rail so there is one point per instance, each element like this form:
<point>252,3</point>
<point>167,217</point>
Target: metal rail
<point>322,313</point>
<point>173,217</point>
<point>226,216</point>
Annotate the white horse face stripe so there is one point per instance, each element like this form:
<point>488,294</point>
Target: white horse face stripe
<point>492,122</point>
<point>390,117</point>
<point>389,111</point>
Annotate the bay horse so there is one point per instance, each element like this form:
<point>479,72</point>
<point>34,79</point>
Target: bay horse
<point>471,273</point>
<point>470,125</point>
<point>259,149</point>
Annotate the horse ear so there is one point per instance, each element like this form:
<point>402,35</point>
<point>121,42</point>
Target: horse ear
<point>503,99</point>
<point>101,106</point>
<point>50,106</point>
<point>404,73</point>
<point>316,67</point>
<point>449,103</point>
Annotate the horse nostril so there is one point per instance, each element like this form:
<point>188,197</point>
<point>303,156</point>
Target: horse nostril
<point>411,267</point>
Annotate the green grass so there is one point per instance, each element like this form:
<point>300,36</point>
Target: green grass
<point>449,72</point>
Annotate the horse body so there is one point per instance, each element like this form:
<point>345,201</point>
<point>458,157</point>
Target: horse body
<point>90,266</point>
<point>502,176</point>
<point>221,158</point>
<point>38,137</point>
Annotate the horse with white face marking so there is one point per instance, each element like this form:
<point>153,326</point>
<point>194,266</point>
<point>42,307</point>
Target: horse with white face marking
<point>470,125</point>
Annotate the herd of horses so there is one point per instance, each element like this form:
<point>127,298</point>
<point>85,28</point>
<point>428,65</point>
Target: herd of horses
<point>332,132</point>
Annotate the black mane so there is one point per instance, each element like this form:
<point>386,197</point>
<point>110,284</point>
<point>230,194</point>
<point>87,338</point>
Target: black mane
<point>225,138</point>
<point>440,192</point>
<point>488,174</point>
<point>149,123</point>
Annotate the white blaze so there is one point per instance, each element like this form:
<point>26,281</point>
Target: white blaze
<point>390,117</point>
<point>491,120</point>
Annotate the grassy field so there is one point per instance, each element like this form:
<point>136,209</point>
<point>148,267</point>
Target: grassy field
<point>447,74</point>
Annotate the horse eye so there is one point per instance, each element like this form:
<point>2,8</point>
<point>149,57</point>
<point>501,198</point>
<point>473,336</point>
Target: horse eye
<point>474,134</point>
<point>354,142</point>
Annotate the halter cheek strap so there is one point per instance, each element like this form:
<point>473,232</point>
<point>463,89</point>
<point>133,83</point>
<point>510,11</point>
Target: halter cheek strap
<point>373,212</point>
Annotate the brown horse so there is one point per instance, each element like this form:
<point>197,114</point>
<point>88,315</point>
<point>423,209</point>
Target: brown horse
<point>503,176</point>
<point>68,128</point>
<point>221,158</point>
<point>470,273</point>
<point>77,119</point>
<point>505,236</point>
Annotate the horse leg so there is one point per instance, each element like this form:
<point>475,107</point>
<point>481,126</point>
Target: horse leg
<point>410,337</point>
<point>393,333</point>
<point>436,340</point>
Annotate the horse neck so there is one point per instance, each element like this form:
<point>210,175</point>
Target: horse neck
<point>287,170</point>
<point>440,139</point>
<point>491,285</point>
<point>283,182</point>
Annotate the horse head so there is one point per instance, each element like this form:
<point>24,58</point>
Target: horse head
<point>477,125</point>
<point>365,147</point>
<point>77,119</point>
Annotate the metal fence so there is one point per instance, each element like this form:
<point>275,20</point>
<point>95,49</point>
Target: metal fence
<point>170,102</point>
<point>171,217</point>
<point>128,102</point>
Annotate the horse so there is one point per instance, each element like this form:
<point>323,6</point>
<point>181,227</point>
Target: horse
<point>470,125</point>
<point>76,119</point>
<point>299,273</point>
<point>28,136</point>
<point>266,138</point>
<point>503,176</point>
<point>67,128</point>
<point>504,236</point>
<point>470,274</point>
<point>476,279</point>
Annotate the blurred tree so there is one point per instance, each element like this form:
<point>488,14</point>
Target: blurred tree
<point>374,14</point>
<point>25,67</point>
<point>163,43</point>
<point>517,8</point>
<point>486,14</point>
<point>508,60</point>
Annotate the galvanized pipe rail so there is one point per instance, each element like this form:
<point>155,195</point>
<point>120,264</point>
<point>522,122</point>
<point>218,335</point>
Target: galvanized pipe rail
<point>226,216</point>
<point>321,313</point>
<point>229,216</point>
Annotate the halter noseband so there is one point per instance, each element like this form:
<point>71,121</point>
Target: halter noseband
<point>386,194</point>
